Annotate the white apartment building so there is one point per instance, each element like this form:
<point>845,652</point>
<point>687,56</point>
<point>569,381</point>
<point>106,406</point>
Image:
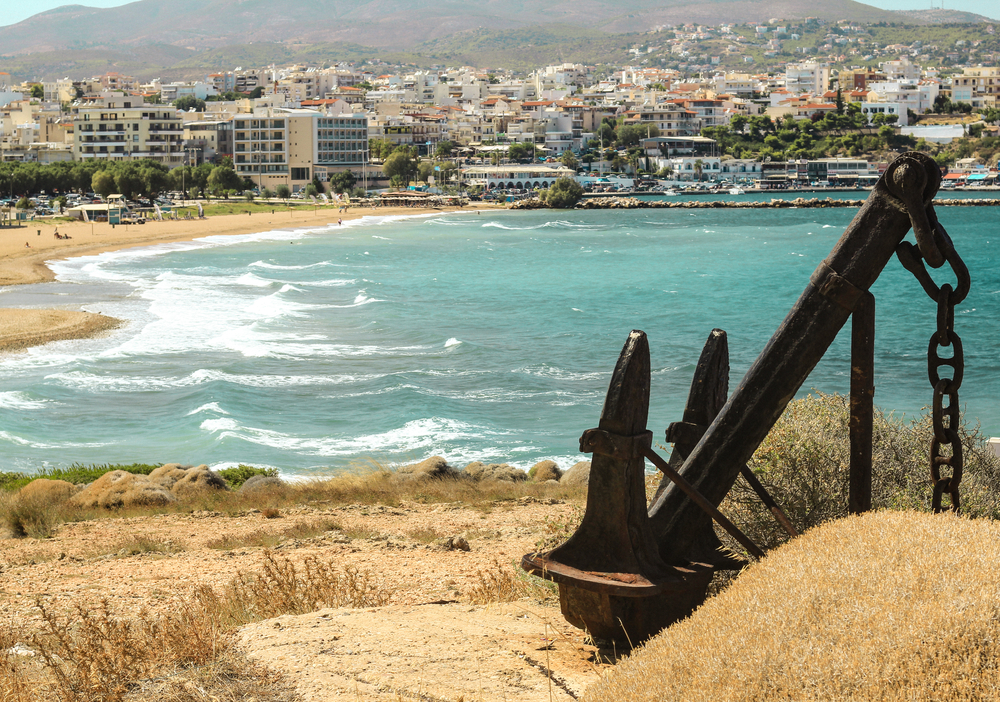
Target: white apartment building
<point>124,128</point>
<point>900,70</point>
<point>807,77</point>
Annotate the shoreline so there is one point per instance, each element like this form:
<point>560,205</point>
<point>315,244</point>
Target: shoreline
<point>25,252</point>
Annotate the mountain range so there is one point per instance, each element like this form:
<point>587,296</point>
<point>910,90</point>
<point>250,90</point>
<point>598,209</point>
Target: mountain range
<point>148,33</point>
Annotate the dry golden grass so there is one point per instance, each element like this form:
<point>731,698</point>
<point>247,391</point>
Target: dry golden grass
<point>369,487</point>
<point>885,606</point>
<point>96,656</point>
<point>281,587</point>
<point>507,583</point>
<point>261,538</point>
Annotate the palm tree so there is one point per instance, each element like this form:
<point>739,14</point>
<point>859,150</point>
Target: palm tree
<point>699,169</point>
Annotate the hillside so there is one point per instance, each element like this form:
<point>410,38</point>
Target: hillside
<point>205,24</point>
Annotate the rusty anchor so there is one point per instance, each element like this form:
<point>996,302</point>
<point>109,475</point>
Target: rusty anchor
<point>631,569</point>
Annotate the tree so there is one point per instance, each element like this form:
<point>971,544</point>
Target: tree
<point>738,123</point>
<point>318,185</point>
<point>569,159</point>
<point>564,193</point>
<point>283,191</point>
<point>444,149</point>
<point>222,179</point>
<point>380,148</point>
<point>37,91</point>
<point>402,164</point>
<point>632,134</point>
<point>103,183</point>
<point>341,182</point>
<point>256,92</point>
<point>311,191</point>
<point>605,135</point>
<point>189,101</point>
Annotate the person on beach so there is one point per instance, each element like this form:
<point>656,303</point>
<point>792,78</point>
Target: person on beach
<point>27,245</point>
<point>339,222</point>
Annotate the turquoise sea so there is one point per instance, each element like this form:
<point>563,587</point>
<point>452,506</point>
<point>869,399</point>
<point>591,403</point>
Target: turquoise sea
<point>486,337</point>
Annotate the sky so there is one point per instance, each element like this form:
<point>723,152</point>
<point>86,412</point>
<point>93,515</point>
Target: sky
<point>13,11</point>
<point>987,8</point>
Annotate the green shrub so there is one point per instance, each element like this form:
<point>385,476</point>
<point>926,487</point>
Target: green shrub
<point>805,464</point>
<point>564,193</point>
<point>242,473</point>
<point>78,474</point>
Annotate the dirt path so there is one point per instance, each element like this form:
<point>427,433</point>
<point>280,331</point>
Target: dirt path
<point>414,648</point>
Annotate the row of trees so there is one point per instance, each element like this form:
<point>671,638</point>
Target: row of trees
<point>144,178</point>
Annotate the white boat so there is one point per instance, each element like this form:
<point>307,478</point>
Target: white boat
<point>670,192</point>
<point>737,191</point>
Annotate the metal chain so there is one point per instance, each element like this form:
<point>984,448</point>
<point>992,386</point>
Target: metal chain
<point>947,298</point>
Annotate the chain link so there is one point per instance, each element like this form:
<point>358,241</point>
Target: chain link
<point>945,418</point>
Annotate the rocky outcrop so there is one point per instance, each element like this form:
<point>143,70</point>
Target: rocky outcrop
<point>260,484</point>
<point>632,203</point>
<point>49,492</point>
<point>579,474</point>
<point>494,471</point>
<point>119,489</point>
<point>544,471</point>
<point>181,480</point>
<point>433,467</point>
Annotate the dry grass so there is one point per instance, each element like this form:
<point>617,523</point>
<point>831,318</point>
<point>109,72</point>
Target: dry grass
<point>261,538</point>
<point>95,656</point>
<point>804,462</point>
<point>886,606</point>
<point>33,518</point>
<point>281,587</point>
<point>507,583</point>
<point>368,487</point>
<point>424,535</point>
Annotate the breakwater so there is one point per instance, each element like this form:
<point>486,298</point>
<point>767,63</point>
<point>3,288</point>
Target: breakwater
<point>631,203</point>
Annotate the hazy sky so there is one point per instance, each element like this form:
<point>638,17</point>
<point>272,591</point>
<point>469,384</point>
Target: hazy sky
<point>13,11</point>
<point>987,8</point>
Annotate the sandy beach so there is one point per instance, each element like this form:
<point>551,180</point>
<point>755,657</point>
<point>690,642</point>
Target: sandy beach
<point>25,250</point>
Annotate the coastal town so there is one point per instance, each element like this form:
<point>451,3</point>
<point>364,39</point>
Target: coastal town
<point>809,122</point>
<point>349,417</point>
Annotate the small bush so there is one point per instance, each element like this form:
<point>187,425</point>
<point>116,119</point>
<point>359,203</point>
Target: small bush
<point>281,587</point>
<point>29,517</point>
<point>507,583</point>
<point>242,473</point>
<point>136,545</point>
<point>564,193</point>
<point>804,462</point>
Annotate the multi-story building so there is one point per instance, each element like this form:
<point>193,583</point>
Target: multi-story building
<point>979,86</point>
<point>124,128</point>
<point>259,147</point>
<point>289,146</point>
<point>670,118</point>
<point>807,77</point>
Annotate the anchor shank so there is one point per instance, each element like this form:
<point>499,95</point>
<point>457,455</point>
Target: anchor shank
<point>796,347</point>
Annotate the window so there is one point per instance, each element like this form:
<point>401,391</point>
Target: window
<point>300,174</point>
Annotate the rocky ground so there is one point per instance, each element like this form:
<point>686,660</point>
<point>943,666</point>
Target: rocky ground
<point>429,642</point>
